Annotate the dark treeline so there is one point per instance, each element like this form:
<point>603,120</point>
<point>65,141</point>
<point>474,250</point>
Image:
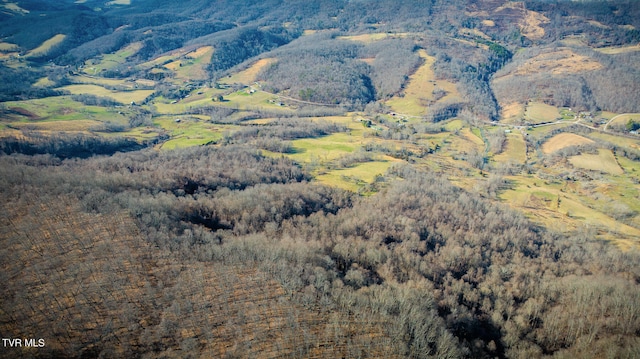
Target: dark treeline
<point>239,45</point>
<point>64,145</point>
<point>15,84</point>
<point>443,272</point>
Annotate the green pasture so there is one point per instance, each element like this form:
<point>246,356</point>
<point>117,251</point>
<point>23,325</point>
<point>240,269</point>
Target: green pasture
<point>60,108</point>
<point>190,131</point>
<point>324,149</point>
<point>354,177</point>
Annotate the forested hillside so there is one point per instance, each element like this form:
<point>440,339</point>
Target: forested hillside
<point>320,179</point>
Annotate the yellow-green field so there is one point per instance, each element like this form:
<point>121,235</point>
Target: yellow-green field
<point>617,140</point>
<point>515,151</point>
<point>46,46</point>
<point>191,66</point>
<point>604,161</point>
<point>539,200</point>
<point>190,131</point>
<point>564,140</point>
<point>418,94</point>
<point>618,50</point>
<point>324,149</point>
<point>123,97</point>
<point>624,118</point>
<point>61,108</point>
<point>537,112</point>
<point>44,82</point>
<point>109,61</point>
<point>353,178</point>
<point>249,75</point>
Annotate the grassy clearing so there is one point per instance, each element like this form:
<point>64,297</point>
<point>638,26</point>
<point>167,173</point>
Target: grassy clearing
<point>191,131</point>
<point>191,66</point>
<point>354,177</point>
<point>119,2</point>
<point>512,112</point>
<point>564,140</point>
<point>44,82</point>
<point>123,97</point>
<point>516,150</point>
<point>324,149</point>
<point>537,112</point>
<point>474,135</point>
<point>618,140</point>
<point>563,61</point>
<point>419,92</point>
<point>539,201</point>
<point>46,46</point>
<point>58,108</point>
<point>59,126</point>
<point>249,75</point>
<point>618,50</point>
<point>624,118</point>
<point>8,47</point>
<point>259,99</point>
<point>604,161</point>
<point>110,61</point>
<point>368,38</point>
<point>14,7</point>
<point>93,80</point>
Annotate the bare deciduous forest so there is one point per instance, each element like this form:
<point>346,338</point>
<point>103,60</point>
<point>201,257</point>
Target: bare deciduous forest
<point>216,217</point>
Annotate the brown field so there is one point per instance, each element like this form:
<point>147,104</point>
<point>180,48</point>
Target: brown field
<point>531,25</point>
<point>200,52</point>
<point>249,75</point>
<point>512,112</point>
<point>564,140</point>
<point>563,61</point>
<point>537,112</point>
